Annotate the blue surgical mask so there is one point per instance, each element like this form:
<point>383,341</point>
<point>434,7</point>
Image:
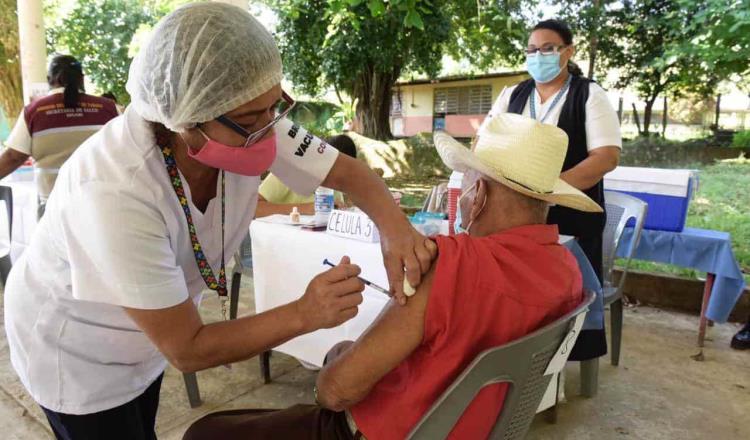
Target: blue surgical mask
<point>457,228</point>
<point>543,68</point>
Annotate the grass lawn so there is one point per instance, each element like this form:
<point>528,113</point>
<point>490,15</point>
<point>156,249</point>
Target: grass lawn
<point>722,203</point>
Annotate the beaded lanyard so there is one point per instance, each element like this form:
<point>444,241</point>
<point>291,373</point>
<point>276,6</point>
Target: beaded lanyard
<point>532,105</point>
<point>220,285</point>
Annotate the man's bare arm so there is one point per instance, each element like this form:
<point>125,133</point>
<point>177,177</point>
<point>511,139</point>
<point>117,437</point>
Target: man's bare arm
<point>395,334</point>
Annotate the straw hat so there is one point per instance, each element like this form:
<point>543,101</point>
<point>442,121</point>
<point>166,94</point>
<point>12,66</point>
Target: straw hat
<point>522,154</point>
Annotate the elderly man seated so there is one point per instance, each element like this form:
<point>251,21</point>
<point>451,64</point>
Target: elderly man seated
<point>504,278</point>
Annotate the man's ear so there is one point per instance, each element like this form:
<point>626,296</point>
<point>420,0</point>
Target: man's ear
<point>479,200</point>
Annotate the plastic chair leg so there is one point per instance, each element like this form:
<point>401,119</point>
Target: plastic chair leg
<point>5,265</point>
<point>234,295</point>
<point>589,377</point>
<point>265,366</point>
<point>615,310</point>
<point>550,415</point>
<point>191,385</point>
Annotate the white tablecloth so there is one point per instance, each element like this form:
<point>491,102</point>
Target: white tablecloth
<point>24,217</point>
<point>287,258</point>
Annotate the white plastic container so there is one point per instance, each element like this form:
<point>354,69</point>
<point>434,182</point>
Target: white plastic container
<point>454,192</point>
<point>323,204</point>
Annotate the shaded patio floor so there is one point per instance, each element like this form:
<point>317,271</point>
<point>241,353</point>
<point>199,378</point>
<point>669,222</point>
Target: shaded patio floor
<point>658,392</point>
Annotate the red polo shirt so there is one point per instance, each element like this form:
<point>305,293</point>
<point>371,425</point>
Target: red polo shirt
<point>486,292</point>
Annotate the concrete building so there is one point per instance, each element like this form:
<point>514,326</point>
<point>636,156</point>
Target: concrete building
<point>456,104</point>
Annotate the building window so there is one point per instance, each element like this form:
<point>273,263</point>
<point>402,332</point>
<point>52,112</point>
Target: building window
<point>472,100</point>
<point>396,104</point>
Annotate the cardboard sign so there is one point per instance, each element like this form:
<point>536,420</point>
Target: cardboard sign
<point>354,225</point>
<point>561,356</point>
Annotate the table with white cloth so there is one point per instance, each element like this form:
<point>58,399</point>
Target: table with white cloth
<point>701,249</point>
<point>24,217</point>
<point>286,258</point>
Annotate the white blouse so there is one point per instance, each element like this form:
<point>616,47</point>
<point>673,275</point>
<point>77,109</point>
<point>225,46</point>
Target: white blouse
<point>114,235</point>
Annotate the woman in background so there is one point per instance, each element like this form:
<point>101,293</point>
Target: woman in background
<point>51,128</point>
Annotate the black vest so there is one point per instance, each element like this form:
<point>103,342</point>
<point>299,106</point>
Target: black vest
<point>573,122</point>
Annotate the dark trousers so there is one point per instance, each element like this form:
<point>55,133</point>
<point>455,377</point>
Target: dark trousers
<point>300,422</point>
<point>131,421</point>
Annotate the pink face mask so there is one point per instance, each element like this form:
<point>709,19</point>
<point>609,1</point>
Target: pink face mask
<point>252,160</point>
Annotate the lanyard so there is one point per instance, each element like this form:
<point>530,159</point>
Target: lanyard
<point>555,101</point>
<point>220,285</point>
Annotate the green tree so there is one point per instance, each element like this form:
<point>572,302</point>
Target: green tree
<point>98,33</point>
<point>586,20</point>
<point>721,35</point>
<point>11,91</point>
<point>644,39</point>
<point>362,47</point>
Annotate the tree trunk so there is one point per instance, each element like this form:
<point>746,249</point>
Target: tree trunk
<point>594,39</point>
<point>664,119</point>
<point>374,93</point>
<point>718,112</point>
<point>635,117</point>
<point>11,85</point>
<point>647,116</point>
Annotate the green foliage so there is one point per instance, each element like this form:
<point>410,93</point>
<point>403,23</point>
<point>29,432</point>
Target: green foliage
<point>663,153</point>
<point>585,18</point>
<point>99,33</point>
<point>723,204</point>
<point>741,139</point>
<point>362,47</point>
<point>721,35</point>
<point>641,40</point>
<point>319,118</point>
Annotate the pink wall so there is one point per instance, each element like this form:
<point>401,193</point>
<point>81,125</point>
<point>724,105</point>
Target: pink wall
<point>463,125</point>
<point>417,124</point>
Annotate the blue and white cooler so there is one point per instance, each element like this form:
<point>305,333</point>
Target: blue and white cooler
<point>667,192</point>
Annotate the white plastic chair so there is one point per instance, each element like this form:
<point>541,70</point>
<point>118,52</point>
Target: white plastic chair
<point>437,200</point>
<point>243,265</point>
<point>6,199</point>
<point>620,209</point>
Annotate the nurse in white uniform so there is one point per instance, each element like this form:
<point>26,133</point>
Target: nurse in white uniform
<point>145,214</point>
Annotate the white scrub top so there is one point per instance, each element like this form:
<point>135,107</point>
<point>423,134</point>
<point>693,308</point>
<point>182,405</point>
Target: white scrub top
<point>114,235</point>
<point>602,125</point>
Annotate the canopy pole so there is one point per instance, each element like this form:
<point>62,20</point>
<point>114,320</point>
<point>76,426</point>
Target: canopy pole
<point>33,47</point>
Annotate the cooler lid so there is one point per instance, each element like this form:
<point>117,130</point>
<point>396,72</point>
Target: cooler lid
<point>649,180</point>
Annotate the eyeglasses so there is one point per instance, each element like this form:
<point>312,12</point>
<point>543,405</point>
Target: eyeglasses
<point>547,49</point>
<point>283,107</point>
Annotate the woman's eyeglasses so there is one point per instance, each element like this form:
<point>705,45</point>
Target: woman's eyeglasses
<point>547,49</point>
<point>283,107</point>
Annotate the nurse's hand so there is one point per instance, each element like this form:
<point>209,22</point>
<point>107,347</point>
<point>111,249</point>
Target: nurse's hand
<point>406,251</point>
<point>332,297</point>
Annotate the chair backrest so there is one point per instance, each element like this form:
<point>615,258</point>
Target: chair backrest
<point>437,200</point>
<point>6,195</point>
<point>521,363</point>
<point>620,209</point>
<point>243,259</point>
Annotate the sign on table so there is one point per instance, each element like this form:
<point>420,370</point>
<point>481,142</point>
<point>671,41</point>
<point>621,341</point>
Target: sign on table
<point>353,224</point>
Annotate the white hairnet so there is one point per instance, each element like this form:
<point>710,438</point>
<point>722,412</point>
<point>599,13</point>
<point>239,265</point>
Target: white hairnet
<point>202,60</point>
